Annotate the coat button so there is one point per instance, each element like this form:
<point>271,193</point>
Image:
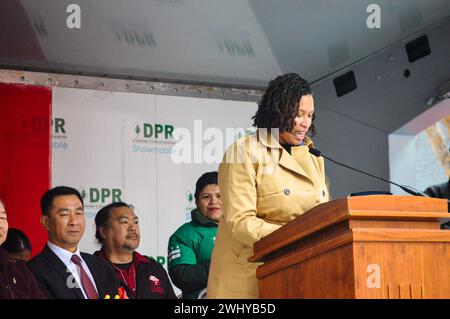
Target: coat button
<point>323,193</point>
<point>287,191</point>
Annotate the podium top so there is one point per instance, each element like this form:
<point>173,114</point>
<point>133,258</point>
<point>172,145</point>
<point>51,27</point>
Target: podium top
<point>373,207</point>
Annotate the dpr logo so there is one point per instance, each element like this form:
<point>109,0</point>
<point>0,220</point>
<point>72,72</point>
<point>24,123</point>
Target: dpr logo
<point>153,138</point>
<point>59,134</point>
<point>95,198</point>
<point>190,205</point>
<point>102,195</point>
<point>156,131</point>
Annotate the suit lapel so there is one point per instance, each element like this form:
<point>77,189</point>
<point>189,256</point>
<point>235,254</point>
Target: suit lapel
<point>61,269</point>
<point>94,272</point>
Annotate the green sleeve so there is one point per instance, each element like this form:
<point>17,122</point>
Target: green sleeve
<point>190,278</point>
<point>180,252</point>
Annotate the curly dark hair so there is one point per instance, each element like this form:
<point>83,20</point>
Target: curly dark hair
<point>279,104</point>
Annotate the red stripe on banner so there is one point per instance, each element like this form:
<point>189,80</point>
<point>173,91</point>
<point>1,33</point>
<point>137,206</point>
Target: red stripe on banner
<point>25,156</point>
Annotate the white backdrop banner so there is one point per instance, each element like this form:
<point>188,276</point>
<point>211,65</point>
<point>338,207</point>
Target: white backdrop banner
<point>115,146</point>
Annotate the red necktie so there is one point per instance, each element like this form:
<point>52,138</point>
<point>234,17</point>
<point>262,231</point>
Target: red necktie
<point>88,287</point>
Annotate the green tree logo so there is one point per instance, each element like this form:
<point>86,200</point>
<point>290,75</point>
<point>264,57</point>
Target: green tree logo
<point>83,194</point>
<point>137,129</point>
<point>190,197</point>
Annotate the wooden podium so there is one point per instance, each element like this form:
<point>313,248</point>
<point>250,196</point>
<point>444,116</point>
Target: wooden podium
<point>359,247</point>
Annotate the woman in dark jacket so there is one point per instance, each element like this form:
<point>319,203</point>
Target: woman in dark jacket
<point>17,245</point>
<point>16,281</point>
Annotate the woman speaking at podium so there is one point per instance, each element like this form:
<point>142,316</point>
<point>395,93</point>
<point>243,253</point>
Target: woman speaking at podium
<point>266,180</point>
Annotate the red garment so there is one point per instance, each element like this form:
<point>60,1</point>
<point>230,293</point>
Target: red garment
<point>145,279</point>
<point>16,280</point>
<point>128,276</point>
<point>86,282</point>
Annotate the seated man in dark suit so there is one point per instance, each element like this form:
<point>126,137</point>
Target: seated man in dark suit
<point>61,270</point>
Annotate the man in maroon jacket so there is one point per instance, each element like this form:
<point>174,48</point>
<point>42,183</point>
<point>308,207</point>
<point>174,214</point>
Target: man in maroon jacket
<point>118,233</point>
<point>16,281</point>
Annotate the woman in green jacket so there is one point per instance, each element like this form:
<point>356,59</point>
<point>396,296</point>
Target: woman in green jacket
<point>190,247</point>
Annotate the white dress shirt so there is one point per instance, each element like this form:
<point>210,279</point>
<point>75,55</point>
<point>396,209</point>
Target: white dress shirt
<point>66,257</point>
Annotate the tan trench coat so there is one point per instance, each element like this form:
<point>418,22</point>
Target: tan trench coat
<point>267,189</point>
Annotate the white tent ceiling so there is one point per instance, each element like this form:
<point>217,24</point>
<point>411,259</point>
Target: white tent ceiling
<point>239,43</point>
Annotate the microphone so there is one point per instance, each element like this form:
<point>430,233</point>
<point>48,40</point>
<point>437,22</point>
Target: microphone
<point>407,189</point>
